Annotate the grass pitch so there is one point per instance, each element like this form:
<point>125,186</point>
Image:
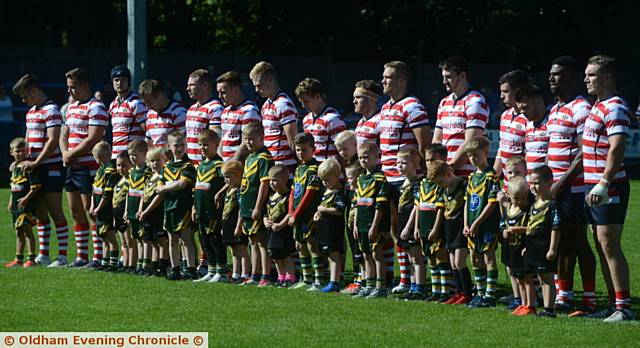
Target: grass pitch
<point>41,299</point>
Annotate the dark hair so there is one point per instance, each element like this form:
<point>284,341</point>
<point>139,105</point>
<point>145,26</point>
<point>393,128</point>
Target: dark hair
<point>567,62</point>
<point>438,150</point>
<point>25,83</point>
<point>310,87</point>
<point>607,64</point>
<point>304,139</point>
<point>544,172</point>
<point>528,91</point>
<point>124,155</point>
<point>369,85</point>
<point>78,74</point>
<point>515,78</point>
<point>456,64</point>
<point>231,77</point>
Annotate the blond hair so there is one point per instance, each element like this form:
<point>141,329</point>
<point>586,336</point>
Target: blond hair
<point>17,143</point>
<point>329,167</point>
<point>401,69</point>
<point>410,153</point>
<point>261,70</point>
<point>368,147</point>
<point>279,170</point>
<point>344,137</point>
<point>78,74</point>
<point>156,153</point>
<point>137,146</point>
<point>517,184</point>
<point>232,167</point>
<point>476,145</point>
<point>514,161</point>
<point>253,129</point>
<point>101,149</point>
<point>310,87</point>
<point>437,169</point>
<point>150,87</point>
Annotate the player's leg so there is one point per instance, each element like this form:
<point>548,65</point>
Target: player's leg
<point>44,230</point>
<point>609,237</point>
<point>81,228</point>
<point>53,202</point>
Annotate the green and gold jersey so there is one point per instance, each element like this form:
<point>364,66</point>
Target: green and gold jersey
<point>151,189</point>
<point>408,192</point>
<point>278,206</point>
<point>350,210</point>
<point>256,170</point>
<point>231,204</point>
<point>428,200</point>
<point>306,178</point>
<point>137,178</point>
<point>120,193</point>
<point>104,182</point>
<point>453,199</point>
<point>334,199</point>
<point>179,170</point>
<point>209,181</point>
<point>482,190</point>
<point>23,181</point>
<point>372,195</point>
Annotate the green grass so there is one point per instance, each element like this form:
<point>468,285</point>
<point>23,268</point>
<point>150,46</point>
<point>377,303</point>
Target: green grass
<point>41,299</point>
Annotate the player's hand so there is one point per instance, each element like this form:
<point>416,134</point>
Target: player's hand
<point>267,223</point>
<point>373,233</point>
<point>237,232</point>
<point>433,235</point>
<point>524,251</point>
<point>405,234</point>
<point>67,160</point>
<point>317,216</point>
<point>465,231</point>
<point>22,203</point>
<point>292,221</point>
<point>124,217</point>
<point>193,216</point>
<point>10,206</point>
<point>473,230</point>
<point>356,235</point>
<point>551,255</point>
<point>28,165</point>
<point>506,233</point>
<point>279,226</point>
<point>219,198</point>
<point>256,213</point>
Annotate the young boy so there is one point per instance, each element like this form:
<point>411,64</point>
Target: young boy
<point>516,219</point>
<point>138,175</point>
<point>151,216</point>
<point>452,197</point>
<point>276,222</point>
<point>347,145</point>
<point>541,242</point>
<point>254,192</point>
<point>101,206</point>
<point>428,229</point>
<point>178,179</point>
<point>304,199</point>
<point>120,192</point>
<point>206,214</point>
<point>24,187</point>
<point>372,221</point>
<point>329,220</point>
<point>231,225</point>
<point>408,165</point>
<point>352,172</point>
<point>481,222</point>
<point>516,166</point>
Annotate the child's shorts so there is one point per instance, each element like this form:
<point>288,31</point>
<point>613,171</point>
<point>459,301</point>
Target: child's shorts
<point>367,246</point>
<point>431,248</point>
<point>329,234</point>
<point>103,228</point>
<point>228,237</point>
<point>303,231</point>
<point>135,228</point>
<point>22,219</point>
<point>483,241</point>
<point>251,227</point>
<point>281,243</point>
<point>118,220</point>
<point>453,237</point>
<point>176,221</point>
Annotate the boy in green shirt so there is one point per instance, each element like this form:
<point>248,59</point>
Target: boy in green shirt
<point>481,222</point>
<point>138,175</point>
<point>120,191</point>
<point>303,201</point>
<point>372,221</point>
<point>102,206</point>
<point>254,192</point>
<point>178,179</point>
<point>205,213</point>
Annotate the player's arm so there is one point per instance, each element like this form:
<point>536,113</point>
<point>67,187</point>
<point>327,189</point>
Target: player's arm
<point>64,138</point>
<point>329,211</point>
<point>615,156</point>
<point>86,145</point>
<point>377,217</point>
<point>574,169</point>
<point>50,146</point>
<point>553,246</point>
<point>291,130</point>
<point>410,226</point>
<point>263,191</point>
<point>33,191</point>
<point>424,137</point>
<point>460,157</point>
<point>238,231</point>
<point>486,212</point>
<point>497,165</point>
<point>435,231</point>
<point>155,203</point>
<point>437,136</point>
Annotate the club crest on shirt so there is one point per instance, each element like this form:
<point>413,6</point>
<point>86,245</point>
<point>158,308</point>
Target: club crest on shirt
<point>474,202</point>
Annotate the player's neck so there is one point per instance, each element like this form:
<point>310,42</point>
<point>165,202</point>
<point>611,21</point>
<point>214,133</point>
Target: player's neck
<point>399,95</point>
<point>205,98</point>
<point>544,196</point>
<point>124,94</point>
<point>273,91</point>
<point>461,89</point>
<point>606,94</point>
<point>282,190</point>
<point>40,99</point>
<point>481,167</point>
<point>564,98</point>
<point>411,176</point>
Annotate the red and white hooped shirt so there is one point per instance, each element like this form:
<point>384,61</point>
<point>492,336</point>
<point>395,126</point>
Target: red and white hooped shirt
<point>455,116</point>
<point>200,117</point>
<point>38,120</point>
<point>367,129</point>
<point>537,144</point>
<point>324,128</point>
<point>159,125</point>
<point>276,114</point>
<point>233,120</point>
<point>81,116</point>
<point>126,117</point>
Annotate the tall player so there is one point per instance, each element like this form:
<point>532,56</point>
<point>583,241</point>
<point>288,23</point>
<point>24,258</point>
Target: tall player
<point>279,115</point>
<point>85,126</point>
<point>44,121</point>
<point>205,113</point>
<point>530,101</point>
<point>462,115</point>
<point>128,112</point>
<point>565,126</point>
<point>607,186</point>
<point>403,122</point>
<point>164,115</point>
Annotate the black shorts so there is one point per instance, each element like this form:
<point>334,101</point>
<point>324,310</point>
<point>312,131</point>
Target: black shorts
<point>570,207</point>
<point>329,234</point>
<point>52,177</point>
<point>118,220</point>
<point>152,230</point>
<point>614,212</point>
<point>280,243</point>
<point>228,237</point>
<point>79,180</point>
<point>512,257</point>
<point>537,262</point>
<point>394,191</point>
<point>453,237</point>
